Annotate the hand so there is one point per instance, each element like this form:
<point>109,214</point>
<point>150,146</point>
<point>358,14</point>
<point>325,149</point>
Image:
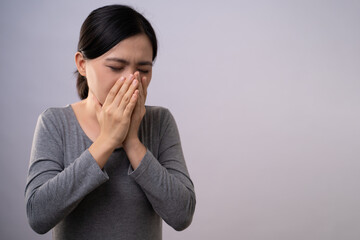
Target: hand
<point>114,116</point>
<point>139,111</point>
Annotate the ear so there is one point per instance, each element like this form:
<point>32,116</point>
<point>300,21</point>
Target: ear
<point>80,63</point>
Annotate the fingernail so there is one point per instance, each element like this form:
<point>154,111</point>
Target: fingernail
<point>135,82</point>
<point>122,79</point>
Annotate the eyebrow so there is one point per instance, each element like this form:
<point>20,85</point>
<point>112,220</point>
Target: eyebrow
<point>123,61</point>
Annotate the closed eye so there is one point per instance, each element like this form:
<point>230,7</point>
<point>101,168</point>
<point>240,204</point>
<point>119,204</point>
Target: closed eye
<point>116,69</point>
<point>143,71</point>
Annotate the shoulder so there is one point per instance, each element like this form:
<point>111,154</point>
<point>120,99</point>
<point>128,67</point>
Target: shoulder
<point>158,114</point>
<point>55,117</point>
<point>54,113</point>
<point>159,119</point>
<point>156,109</point>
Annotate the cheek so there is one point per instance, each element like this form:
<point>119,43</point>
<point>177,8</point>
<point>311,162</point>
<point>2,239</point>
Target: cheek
<point>100,83</point>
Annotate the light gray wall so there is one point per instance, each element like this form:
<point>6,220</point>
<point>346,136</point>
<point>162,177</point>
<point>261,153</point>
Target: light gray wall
<point>265,94</point>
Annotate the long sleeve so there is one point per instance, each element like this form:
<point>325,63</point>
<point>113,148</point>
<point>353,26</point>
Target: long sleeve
<point>53,190</point>
<point>166,181</point>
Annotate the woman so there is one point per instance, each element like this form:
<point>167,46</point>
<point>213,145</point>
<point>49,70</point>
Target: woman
<point>109,167</point>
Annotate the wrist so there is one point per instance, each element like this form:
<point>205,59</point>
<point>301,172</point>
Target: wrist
<point>105,143</point>
<point>135,151</point>
<point>101,151</point>
<point>131,144</point>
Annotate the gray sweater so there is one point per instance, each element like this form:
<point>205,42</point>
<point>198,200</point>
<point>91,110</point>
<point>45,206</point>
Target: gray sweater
<point>67,191</point>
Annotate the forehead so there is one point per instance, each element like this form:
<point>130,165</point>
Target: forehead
<point>137,48</point>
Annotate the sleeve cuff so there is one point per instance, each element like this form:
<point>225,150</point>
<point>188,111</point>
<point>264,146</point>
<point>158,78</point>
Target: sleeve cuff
<point>94,169</point>
<point>143,166</point>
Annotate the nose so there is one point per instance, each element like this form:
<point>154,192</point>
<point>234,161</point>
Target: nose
<point>129,70</point>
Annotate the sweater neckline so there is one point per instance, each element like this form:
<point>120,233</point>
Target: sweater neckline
<point>73,115</point>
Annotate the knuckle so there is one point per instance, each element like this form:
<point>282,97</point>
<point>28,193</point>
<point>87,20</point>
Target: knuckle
<point>118,118</point>
<point>112,93</point>
<point>126,84</point>
<point>108,111</point>
<point>121,92</point>
<point>126,98</point>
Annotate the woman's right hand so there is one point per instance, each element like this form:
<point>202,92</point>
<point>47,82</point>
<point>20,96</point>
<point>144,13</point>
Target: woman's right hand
<point>114,116</point>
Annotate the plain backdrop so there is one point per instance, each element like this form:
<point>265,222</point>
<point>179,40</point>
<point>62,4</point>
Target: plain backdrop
<point>266,95</point>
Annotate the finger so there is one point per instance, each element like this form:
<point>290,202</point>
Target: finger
<point>132,103</point>
<point>145,84</point>
<point>137,76</point>
<point>113,91</point>
<point>128,95</point>
<point>121,91</point>
<point>124,88</point>
<point>141,89</point>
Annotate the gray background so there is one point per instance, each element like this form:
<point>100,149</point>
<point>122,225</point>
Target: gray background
<point>265,94</point>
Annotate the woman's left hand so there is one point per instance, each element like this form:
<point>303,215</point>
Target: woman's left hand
<point>138,113</point>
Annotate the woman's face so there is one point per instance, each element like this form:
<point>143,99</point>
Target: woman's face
<point>128,56</point>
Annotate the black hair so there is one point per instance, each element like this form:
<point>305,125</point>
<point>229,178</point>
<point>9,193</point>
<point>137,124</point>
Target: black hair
<point>104,28</point>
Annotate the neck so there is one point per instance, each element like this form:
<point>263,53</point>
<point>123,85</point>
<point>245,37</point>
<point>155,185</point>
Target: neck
<point>89,107</point>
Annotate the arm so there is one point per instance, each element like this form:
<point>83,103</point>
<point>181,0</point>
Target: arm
<point>166,180</point>
<point>53,191</point>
